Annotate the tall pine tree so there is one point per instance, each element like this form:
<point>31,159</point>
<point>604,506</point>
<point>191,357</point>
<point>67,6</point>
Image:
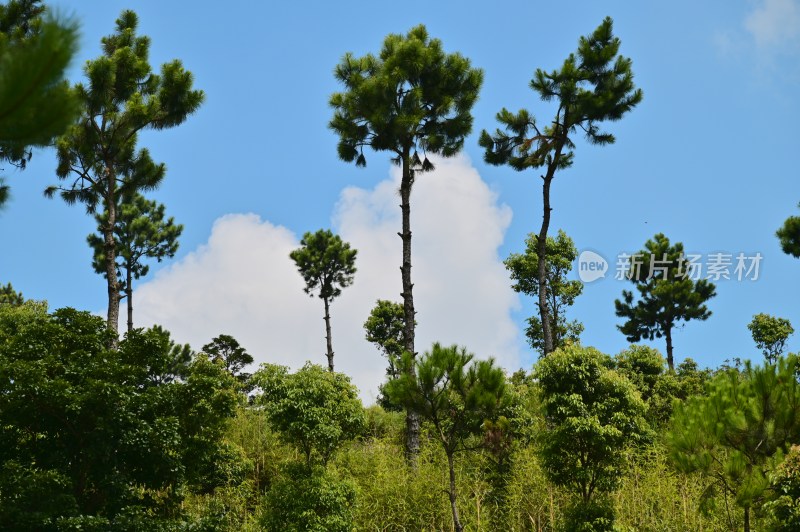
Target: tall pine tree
<point>593,86</point>
<point>411,100</point>
<point>668,294</point>
<point>98,161</point>
<point>327,265</point>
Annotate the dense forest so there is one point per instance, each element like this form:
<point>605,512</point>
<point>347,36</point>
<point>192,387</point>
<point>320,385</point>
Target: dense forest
<point>109,429</point>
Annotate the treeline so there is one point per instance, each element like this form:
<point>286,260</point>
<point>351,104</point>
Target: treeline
<point>102,431</point>
<point>149,435</point>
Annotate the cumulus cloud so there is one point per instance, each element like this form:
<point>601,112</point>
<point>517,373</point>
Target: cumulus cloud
<point>242,282</point>
<point>774,23</point>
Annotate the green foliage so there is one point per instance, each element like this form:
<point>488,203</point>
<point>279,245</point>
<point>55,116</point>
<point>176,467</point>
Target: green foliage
<point>385,329</point>
<point>412,96</point>
<point>36,104</point>
<point>589,516</point>
<point>225,350</point>
<point>560,253</point>
<point>453,393</point>
<point>644,367</point>
<point>736,433</point>
<point>784,510</point>
<point>593,86</point>
<point>789,236</point>
<point>313,409</point>
<point>667,293</point>
<point>309,500</point>
<point>653,497</point>
<point>94,435</point>
<point>592,415</point>
<point>770,334</point>
<point>98,156</point>
<point>326,263</point>
<point>9,296</point>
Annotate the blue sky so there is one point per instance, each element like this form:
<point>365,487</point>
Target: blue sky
<point>709,158</point>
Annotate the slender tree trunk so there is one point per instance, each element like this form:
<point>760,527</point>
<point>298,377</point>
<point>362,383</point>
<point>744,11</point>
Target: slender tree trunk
<point>541,250</point>
<point>110,250</point>
<point>129,296</point>
<point>412,420</point>
<point>328,340</point>
<point>456,521</point>
<point>746,519</point>
<point>668,335</point>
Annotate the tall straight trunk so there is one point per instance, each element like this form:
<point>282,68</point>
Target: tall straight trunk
<point>110,250</point>
<point>452,493</point>
<point>541,250</point>
<point>668,335</point>
<point>129,295</point>
<point>746,519</point>
<point>328,340</point>
<point>412,420</point>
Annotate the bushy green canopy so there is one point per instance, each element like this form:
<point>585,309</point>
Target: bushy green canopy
<point>592,413</point>
<point>92,434</point>
<point>411,96</point>
<point>314,409</point>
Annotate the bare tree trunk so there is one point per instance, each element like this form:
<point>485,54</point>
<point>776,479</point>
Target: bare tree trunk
<point>668,335</point>
<point>452,493</point>
<point>129,295</point>
<point>746,519</point>
<point>110,250</point>
<point>328,340</point>
<point>412,420</point>
<point>541,250</point>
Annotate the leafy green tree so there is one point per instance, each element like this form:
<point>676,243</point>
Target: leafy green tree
<point>592,414</point>
<point>784,509</point>
<point>327,265</point>
<point>233,357</point>
<point>96,436</point>
<point>36,104</point>
<point>176,363</point>
<point>789,236</point>
<point>411,98</point>
<point>770,334</point>
<point>9,296</point>
<point>645,368</point>
<point>314,409</point>
<point>594,85</point>
<point>737,434</point>
<point>309,499</point>
<point>141,233</point>
<point>668,294</point>
<point>97,157</point>
<point>561,293</point>
<point>384,329</point>
<point>454,393</point>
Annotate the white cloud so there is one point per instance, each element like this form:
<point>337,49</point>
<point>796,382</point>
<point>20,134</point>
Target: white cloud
<point>243,283</point>
<point>774,23</point>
